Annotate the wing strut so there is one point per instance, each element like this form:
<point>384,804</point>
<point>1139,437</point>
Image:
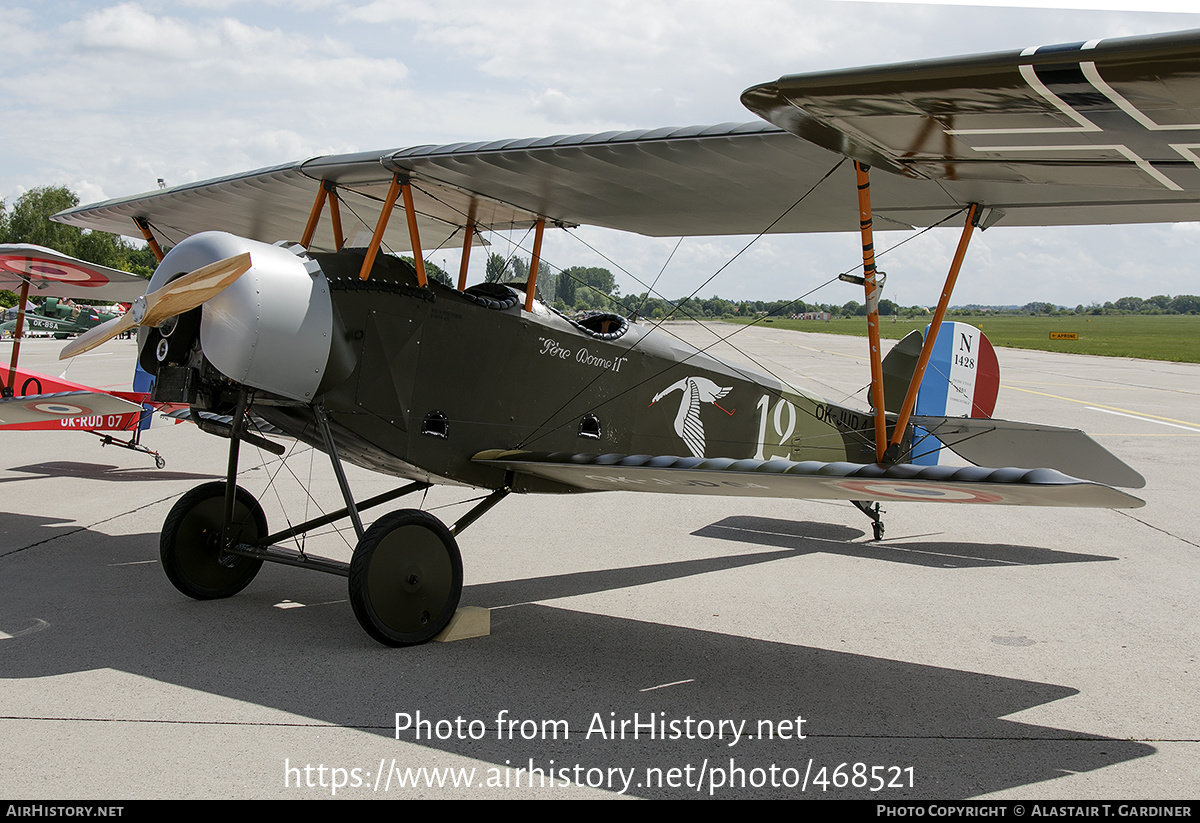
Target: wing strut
<point>910,397</point>
<point>468,236</point>
<point>335,215</point>
<point>144,227</point>
<point>414,235</point>
<point>385,213</point>
<point>7,389</point>
<point>873,289</point>
<point>314,216</point>
<point>531,286</point>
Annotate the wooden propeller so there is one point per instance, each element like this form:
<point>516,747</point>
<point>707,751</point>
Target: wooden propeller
<point>180,295</point>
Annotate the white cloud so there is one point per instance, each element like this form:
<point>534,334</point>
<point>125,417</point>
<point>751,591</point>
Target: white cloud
<point>211,53</point>
<point>136,91</point>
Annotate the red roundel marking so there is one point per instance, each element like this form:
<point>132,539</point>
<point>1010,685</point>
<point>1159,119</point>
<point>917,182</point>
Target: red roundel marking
<point>55,407</point>
<point>71,273</point>
<point>900,490</point>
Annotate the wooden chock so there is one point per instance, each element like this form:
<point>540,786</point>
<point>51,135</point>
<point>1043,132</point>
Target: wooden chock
<point>468,622</point>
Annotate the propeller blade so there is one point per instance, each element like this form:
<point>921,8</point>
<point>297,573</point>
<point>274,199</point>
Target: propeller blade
<point>180,295</point>
<point>96,335</point>
<point>193,289</point>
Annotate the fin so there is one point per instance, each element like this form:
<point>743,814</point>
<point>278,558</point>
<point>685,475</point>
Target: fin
<point>898,368</point>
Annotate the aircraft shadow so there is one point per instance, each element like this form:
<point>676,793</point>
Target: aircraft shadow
<point>99,471</point>
<point>89,601</point>
<point>807,537</point>
<point>554,587</point>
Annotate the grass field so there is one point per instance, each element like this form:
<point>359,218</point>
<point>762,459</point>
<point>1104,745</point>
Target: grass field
<point>1151,337</point>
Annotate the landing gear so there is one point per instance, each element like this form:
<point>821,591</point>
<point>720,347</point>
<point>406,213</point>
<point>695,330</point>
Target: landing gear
<point>872,511</point>
<point>405,578</point>
<point>191,547</point>
<point>133,444</point>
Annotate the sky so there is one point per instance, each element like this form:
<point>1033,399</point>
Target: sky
<point>109,97</point>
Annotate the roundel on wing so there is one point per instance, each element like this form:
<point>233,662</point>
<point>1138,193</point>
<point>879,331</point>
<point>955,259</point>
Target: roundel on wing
<point>58,408</point>
<point>76,274</point>
<point>932,492</point>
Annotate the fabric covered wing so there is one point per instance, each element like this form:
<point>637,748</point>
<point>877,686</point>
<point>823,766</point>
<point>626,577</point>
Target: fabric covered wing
<point>96,407</point>
<point>52,274</point>
<point>812,480</point>
<point>700,180</point>
<point>1089,132</point>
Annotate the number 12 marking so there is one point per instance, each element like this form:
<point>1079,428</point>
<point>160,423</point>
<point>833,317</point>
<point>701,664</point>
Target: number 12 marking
<point>781,431</point>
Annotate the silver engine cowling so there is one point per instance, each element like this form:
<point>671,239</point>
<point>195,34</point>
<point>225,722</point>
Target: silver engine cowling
<point>273,327</point>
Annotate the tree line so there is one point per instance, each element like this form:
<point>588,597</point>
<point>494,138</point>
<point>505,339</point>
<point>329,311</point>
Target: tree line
<point>29,222</point>
<point>1159,304</point>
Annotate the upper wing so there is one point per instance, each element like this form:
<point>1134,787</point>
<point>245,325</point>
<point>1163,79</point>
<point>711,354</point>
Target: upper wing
<point>52,274</point>
<point>1106,132</point>
<point>727,179</point>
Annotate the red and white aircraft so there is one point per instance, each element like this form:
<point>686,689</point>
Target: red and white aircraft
<point>34,401</point>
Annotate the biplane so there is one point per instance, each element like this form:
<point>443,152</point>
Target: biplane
<point>267,304</point>
<point>61,318</point>
<point>30,400</point>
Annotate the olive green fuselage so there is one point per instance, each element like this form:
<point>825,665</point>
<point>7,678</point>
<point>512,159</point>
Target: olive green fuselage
<point>422,380</point>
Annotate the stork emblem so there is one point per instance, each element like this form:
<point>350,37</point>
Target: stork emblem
<point>696,390</point>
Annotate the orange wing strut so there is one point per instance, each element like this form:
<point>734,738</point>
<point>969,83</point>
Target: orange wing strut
<point>314,216</point>
<point>414,236</point>
<point>144,226</point>
<point>335,215</point>
<point>910,397</point>
<point>468,237</point>
<point>373,249</point>
<point>872,297</point>
<point>531,286</point>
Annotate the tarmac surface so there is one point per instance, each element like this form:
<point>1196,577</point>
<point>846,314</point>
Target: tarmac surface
<point>976,652</point>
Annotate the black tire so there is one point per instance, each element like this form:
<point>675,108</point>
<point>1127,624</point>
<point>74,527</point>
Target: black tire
<point>405,578</point>
<point>190,547</point>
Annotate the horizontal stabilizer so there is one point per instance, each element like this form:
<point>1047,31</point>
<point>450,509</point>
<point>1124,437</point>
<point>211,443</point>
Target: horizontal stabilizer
<point>40,408</point>
<point>811,479</point>
<point>1030,445</point>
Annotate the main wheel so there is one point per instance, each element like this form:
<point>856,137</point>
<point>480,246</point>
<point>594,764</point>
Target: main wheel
<point>190,546</point>
<point>405,578</point>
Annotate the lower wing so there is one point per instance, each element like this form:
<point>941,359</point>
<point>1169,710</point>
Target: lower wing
<point>80,409</point>
<point>812,479</point>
